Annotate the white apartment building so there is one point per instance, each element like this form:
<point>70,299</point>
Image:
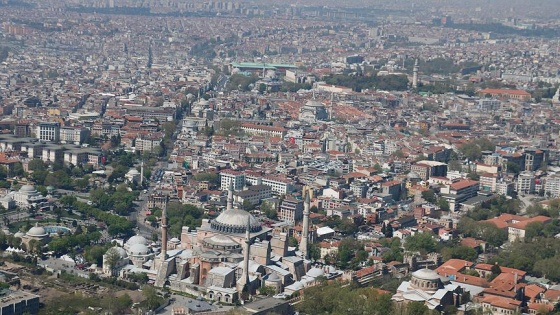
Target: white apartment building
<point>48,132</point>
<point>552,186</point>
<point>75,135</point>
<point>525,183</point>
<point>227,176</point>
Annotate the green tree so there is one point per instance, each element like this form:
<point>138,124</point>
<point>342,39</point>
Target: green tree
<point>422,242</point>
<point>151,298</point>
<point>429,195</point>
<point>416,308</point>
<point>533,230</point>
<point>112,258</point>
<point>36,165</point>
<point>443,204</point>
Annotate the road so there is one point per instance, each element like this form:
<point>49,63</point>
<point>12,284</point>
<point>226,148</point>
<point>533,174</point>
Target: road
<point>139,215</point>
<point>527,201</point>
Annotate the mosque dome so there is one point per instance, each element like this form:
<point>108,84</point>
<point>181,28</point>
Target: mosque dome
<point>37,231</point>
<point>426,274</point>
<point>138,249</point>
<point>235,221</point>
<point>27,189</point>
<point>273,277</point>
<point>425,279</point>
<point>297,286</point>
<point>221,240</point>
<point>133,172</point>
<point>119,250</point>
<point>137,239</point>
<point>315,272</point>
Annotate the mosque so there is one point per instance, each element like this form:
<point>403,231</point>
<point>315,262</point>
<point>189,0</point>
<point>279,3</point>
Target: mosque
<point>225,259</point>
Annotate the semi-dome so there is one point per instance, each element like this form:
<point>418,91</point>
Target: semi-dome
<point>426,274</point>
<point>139,249</point>
<point>133,172</point>
<point>235,221</point>
<point>19,234</point>
<point>137,239</point>
<point>119,250</point>
<point>27,189</point>
<point>297,285</point>
<point>315,272</point>
<point>273,277</point>
<point>221,240</point>
<point>37,231</point>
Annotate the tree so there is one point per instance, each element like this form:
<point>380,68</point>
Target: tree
<point>422,242</point>
<point>416,308</point>
<point>267,290</point>
<point>443,204</point>
<point>112,258</point>
<point>459,252</point>
<point>68,200</point>
<point>94,254</point>
<point>532,230</point>
<point>292,241</point>
<point>151,299</point>
<point>36,165</point>
<point>314,252</point>
<point>429,195</point>
<point>268,210</point>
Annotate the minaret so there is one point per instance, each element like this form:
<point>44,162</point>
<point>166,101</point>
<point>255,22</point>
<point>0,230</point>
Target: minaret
<point>332,106</point>
<point>247,249</point>
<point>142,173</point>
<point>305,231</point>
<point>230,197</point>
<point>164,231</point>
<point>244,282</point>
<point>415,74</point>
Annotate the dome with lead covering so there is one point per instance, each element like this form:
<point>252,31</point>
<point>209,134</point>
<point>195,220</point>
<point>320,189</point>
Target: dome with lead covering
<point>27,189</point>
<point>235,221</point>
<point>137,239</point>
<point>139,249</point>
<point>426,274</point>
<point>37,231</point>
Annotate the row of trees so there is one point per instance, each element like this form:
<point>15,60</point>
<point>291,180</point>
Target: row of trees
<point>179,215</point>
<point>373,82</point>
<point>71,243</point>
<point>121,200</point>
<point>116,225</point>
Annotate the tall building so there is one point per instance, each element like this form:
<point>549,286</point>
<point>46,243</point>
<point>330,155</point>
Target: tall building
<point>48,132</point>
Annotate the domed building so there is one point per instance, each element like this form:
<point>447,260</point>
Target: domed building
<point>28,196</point>
<point>427,286</point>
<point>37,232</point>
<point>117,256</point>
<point>132,176</point>
<point>8,202</point>
<point>138,251</point>
<point>313,111</point>
<point>135,253</point>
